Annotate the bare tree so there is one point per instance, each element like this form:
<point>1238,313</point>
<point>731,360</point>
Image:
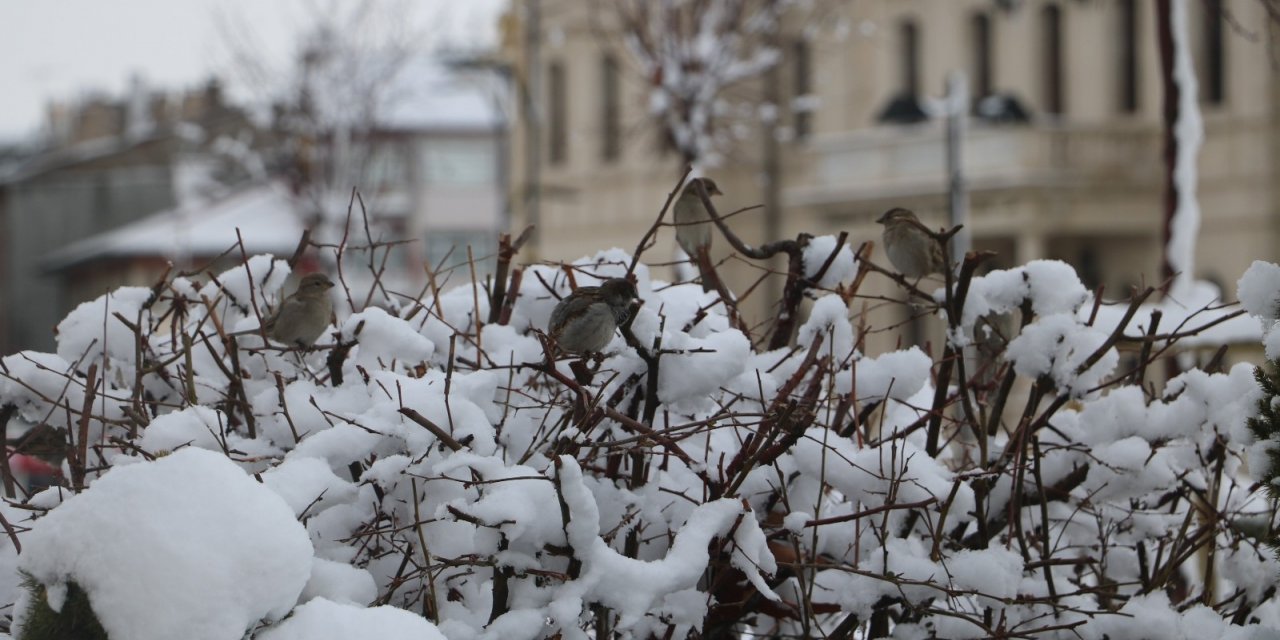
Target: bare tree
<point>713,69</point>
<point>696,57</point>
<point>327,101</point>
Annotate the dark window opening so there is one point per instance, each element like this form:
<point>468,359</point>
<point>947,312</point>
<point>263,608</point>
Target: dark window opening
<point>557,125</point>
<point>1051,19</point>
<point>801,109</point>
<point>1089,268</point>
<point>611,109</point>
<point>1213,79</point>
<point>1128,44</point>
<point>910,58</point>
<point>904,106</point>
<point>983,82</point>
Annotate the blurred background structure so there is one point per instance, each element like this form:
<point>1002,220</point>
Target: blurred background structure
<point>104,163</point>
<point>115,189</point>
<point>1063,155</point>
<point>582,115</point>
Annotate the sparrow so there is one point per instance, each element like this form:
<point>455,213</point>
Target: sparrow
<point>584,321</point>
<point>693,223</point>
<point>302,316</point>
<point>693,226</point>
<point>912,250</point>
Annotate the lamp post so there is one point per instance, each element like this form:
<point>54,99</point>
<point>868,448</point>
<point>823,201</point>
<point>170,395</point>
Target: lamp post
<point>957,107</point>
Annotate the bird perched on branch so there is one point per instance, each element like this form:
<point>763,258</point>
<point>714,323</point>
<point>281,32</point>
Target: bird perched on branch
<point>912,249</point>
<point>693,227</point>
<point>693,230</point>
<point>303,315</point>
<point>584,321</point>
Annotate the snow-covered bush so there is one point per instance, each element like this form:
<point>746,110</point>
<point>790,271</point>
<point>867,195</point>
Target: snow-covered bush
<point>428,471</point>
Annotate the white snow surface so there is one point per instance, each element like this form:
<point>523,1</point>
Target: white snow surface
<point>829,318</point>
<point>186,546</point>
<point>702,366</point>
<point>1060,346</point>
<point>1259,293</point>
<point>897,374</point>
<point>322,619</point>
<point>339,582</point>
<point>1051,286</point>
<point>196,426</point>
<point>385,339</point>
<point>93,331</point>
<point>842,268</point>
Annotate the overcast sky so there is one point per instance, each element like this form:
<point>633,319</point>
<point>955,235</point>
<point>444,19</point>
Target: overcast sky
<point>63,49</point>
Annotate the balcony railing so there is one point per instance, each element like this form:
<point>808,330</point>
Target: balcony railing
<point>889,162</point>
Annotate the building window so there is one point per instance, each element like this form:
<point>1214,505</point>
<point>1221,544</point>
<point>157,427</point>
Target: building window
<point>1212,73</point>
<point>1089,268</point>
<point>904,106</point>
<point>610,109</point>
<point>801,102</point>
<point>385,169</point>
<point>909,36</point>
<point>1051,22</point>
<point>446,249</point>
<point>982,73</point>
<point>557,104</point>
<point>458,163</point>
<point>1128,56</point>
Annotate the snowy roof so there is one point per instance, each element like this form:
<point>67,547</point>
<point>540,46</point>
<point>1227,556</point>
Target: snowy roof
<point>59,157</point>
<point>265,214</point>
<point>426,94</point>
<point>397,91</point>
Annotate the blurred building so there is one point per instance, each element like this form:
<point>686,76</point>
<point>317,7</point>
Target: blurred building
<point>106,162</point>
<point>127,187</point>
<point>431,168</point>
<point>1062,154</point>
<point>203,233</point>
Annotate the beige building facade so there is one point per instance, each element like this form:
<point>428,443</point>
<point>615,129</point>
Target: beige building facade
<point>1074,172</point>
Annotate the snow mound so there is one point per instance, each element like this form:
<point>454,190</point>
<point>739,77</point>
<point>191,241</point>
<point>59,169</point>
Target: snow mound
<point>162,549</point>
<point>323,619</point>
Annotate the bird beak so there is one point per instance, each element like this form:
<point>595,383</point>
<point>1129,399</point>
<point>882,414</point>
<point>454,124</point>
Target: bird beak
<point>715,191</point>
<point>883,217</point>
